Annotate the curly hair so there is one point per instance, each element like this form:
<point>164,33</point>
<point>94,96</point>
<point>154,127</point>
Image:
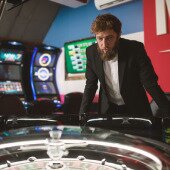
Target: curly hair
<point>104,22</point>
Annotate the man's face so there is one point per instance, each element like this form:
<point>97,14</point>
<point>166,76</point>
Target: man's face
<point>107,43</point>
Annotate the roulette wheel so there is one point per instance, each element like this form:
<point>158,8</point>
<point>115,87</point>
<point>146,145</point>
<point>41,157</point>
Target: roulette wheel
<point>51,147</point>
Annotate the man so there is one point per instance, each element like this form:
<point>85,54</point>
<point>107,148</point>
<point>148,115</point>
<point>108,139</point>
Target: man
<point>124,71</point>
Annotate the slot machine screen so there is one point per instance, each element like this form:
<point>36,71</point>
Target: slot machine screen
<point>43,74</point>
<point>8,87</point>
<point>10,72</point>
<point>45,59</point>
<point>10,56</point>
<point>43,88</point>
<point>75,57</point>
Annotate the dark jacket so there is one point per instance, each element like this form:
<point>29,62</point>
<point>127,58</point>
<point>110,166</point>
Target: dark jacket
<point>136,74</point>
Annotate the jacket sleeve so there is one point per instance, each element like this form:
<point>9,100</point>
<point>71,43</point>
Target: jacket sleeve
<point>149,79</point>
<point>91,83</point>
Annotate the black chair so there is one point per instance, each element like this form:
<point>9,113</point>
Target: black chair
<point>72,102</point>
<point>42,107</point>
<point>11,105</point>
<point>154,107</point>
<point>38,113</point>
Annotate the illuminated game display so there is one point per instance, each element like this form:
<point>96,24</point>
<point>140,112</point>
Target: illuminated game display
<point>43,72</point>
<point>75,58</point>
<point>11,56</point>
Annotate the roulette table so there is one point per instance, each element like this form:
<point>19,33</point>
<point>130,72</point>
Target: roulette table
<point>66,147</point>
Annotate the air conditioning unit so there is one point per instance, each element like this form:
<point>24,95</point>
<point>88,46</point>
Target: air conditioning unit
<point>103,4</point>
<point>71,3</point>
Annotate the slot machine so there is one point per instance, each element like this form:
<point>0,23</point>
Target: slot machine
<point>11,68</point>
<point>43,73</point>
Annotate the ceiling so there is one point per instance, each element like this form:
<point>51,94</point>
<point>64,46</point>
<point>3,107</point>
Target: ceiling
<point>28,22</point>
